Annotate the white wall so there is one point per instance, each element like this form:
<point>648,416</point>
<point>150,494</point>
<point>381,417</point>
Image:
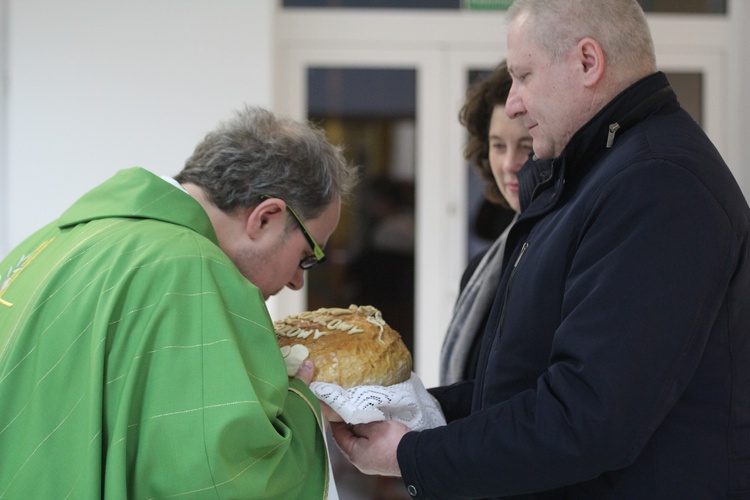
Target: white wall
<point>96,86</point>
<point>3,130</point>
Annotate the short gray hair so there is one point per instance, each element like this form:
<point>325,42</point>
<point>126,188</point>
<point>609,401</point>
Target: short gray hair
<point>619,26</point>
<point>258,153</point>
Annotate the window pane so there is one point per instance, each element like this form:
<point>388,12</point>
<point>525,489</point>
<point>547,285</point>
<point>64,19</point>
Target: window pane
<point>376,4</point>
<point>685,6</point>
<point>689,90</point>
<point>371,114</point>
<point>666,6</point>
<point>361,93</point>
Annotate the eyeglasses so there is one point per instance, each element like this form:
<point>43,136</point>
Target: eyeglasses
<point>318,256</point>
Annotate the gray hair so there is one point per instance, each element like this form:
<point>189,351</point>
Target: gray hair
<point>257,153</point>
<point>619,26</point>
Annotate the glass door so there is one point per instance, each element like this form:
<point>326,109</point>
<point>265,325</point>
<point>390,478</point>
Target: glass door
<point>370,112</point>
<point>382,107</point>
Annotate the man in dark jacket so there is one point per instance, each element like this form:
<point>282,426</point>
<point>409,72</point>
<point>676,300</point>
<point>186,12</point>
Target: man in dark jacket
<point>616,361</point>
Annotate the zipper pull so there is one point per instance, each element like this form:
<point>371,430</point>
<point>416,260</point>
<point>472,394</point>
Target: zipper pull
<point>523,249</point>
<point>613,128</point>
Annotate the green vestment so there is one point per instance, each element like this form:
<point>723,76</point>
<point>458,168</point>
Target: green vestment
<point>137,362</point>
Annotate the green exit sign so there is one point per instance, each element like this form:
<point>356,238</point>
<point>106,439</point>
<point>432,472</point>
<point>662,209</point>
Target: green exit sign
<point>487,4</point>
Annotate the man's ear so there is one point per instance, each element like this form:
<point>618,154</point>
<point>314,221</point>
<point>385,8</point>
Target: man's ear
<point>269,215</point>
<point>590,57</point>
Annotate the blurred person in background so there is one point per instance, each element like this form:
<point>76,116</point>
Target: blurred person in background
<point>498,146</point>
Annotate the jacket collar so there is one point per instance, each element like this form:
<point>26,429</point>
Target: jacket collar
<point>634,104</point>
<point>533,176</point>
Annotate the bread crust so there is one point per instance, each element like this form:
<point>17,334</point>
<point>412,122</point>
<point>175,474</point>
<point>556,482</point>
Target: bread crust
<point>349,347</point>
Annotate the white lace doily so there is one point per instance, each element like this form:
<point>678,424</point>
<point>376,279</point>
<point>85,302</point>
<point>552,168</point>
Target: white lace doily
<point>407,402</point>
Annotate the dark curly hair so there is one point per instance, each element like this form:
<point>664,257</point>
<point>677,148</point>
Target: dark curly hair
<point>475,115</point>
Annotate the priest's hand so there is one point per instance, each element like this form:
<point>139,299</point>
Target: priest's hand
<point>371,447</point>
<point>306,372</point>
<point>329,414</point>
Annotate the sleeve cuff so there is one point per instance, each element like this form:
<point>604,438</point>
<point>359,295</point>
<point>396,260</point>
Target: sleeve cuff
<point>407,462</point>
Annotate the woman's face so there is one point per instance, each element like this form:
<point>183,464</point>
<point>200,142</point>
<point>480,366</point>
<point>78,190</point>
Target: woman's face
<point>510,145</point>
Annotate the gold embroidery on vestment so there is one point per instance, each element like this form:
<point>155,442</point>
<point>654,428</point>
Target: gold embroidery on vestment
<point>15,271</point>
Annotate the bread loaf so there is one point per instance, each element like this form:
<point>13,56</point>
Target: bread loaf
<point>350,347</point>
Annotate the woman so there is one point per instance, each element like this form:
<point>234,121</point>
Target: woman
<point>498,146</point>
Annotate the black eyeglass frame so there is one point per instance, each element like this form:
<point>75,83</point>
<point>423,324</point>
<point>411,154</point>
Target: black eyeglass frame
<point>318,256</point>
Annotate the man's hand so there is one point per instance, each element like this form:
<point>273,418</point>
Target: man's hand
<point>371,447</point>
<point>329,414</point>
<point>306,372</point>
